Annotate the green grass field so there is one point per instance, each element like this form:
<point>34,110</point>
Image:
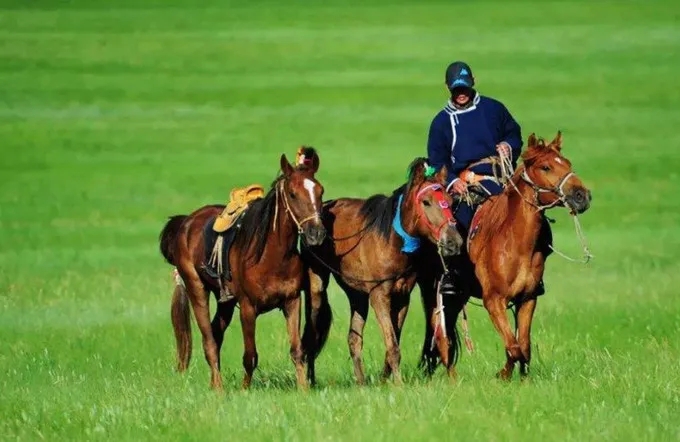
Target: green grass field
<point>115,116</point>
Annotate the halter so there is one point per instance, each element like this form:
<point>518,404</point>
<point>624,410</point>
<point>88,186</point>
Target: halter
<point>411,243</point>
<point>558,190</point>
<point>299,224</point>
<point>438,193</point>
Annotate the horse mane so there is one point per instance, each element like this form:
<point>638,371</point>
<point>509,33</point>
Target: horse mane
<point>499,210</point>
<point>256,221</point>
<point>379,210</point>
<point>497,213</point>
<point>260,215</point>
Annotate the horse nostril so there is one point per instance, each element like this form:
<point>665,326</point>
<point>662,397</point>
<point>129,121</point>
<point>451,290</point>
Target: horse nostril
<point>579,196</point>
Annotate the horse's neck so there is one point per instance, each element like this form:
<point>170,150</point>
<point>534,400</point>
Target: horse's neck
<point>283,233</point>
<point>526,218</point>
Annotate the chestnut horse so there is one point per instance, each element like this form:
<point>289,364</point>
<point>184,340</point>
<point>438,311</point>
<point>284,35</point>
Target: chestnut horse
<point>371,256</point>
<point>505,250</point>
<point>266,267</point>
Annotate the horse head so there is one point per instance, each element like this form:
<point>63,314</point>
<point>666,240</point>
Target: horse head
<point>428,205</point>
<point>303,194</point>
<point>551,176</point>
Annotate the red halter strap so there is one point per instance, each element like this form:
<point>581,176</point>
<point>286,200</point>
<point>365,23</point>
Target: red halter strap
<point>438,193</point>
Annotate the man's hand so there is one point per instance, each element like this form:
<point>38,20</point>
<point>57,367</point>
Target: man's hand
<point>458,187</point>
<point>504,149</point>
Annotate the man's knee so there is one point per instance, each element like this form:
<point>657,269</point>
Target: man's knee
<point>463,217</point>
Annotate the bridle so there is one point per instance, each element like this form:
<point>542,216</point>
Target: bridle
<point>298,223</point>
<point>438,193</point>
<point>557,190</point>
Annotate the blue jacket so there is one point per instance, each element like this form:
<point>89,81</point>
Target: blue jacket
<point>458,138</point>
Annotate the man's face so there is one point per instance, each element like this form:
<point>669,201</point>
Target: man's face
<point>462,95</point>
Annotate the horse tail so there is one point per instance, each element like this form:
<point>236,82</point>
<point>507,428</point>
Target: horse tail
<point>318,320</point>
<point>324,321</point>
<point>181,323</point>
<point>168,238</point>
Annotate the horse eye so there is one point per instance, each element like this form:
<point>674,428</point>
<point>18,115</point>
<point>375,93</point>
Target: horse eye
<point>427,203</point>
<point>546,168</point>
<point>292,195</point>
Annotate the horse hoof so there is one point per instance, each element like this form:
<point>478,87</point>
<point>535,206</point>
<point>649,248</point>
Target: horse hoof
<point>504,375</point>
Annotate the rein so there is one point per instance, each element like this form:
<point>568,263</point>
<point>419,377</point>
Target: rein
<point>558,191</point>
<point>343,276</point>
<point>438,190</point>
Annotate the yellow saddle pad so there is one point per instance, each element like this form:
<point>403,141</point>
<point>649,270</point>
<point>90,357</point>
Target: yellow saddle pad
<point>239,199</point>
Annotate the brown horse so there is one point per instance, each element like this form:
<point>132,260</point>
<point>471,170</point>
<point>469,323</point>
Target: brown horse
<point>267,269</point>
<point>506,252</point>
<point>371,257</point>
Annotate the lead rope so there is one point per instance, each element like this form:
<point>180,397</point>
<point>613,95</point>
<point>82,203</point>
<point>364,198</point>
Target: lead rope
<point>440,327</point>
<point>587,256</point>
<point>466,332</point>
<point>439,310</point>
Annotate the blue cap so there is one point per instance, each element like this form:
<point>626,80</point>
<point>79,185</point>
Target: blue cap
<point>459,74</point>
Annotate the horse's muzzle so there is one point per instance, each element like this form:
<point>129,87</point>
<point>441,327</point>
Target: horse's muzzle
<point>314,234</point>
<point>450,241</point>
<point>579,199</point>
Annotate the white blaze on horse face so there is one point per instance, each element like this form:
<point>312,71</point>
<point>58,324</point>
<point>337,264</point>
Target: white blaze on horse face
<point>558,160</point>
<point>310,185</point>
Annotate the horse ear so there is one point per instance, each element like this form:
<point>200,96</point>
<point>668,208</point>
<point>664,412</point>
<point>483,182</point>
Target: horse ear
<point>557,142</point>
<point>418,174</point>
<point>442,175</point>
<point>286,167</point>
<point>531,141</point>
<point>541,143</point>
<point>316,162</point>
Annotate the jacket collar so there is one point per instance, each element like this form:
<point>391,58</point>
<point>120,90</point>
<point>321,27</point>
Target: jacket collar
<point>451,109</point>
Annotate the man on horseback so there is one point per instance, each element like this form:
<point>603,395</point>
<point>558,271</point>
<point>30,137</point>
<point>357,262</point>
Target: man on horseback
<point>471,136</point>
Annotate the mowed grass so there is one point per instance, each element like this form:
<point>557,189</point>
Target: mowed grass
<point>114,116</point>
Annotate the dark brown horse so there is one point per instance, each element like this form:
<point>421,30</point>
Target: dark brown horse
<point>266,267</point>
<point>371,257</point>
<point>505,250</point>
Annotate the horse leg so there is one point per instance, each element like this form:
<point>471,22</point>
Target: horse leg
<point>358,305</point>
<point>452,308</point>
<point>200,303</point>
<point>219,324</point>
<point>380,301</point>
<point>398,314</point>
<point>248,317</point>
<point>525,314</point>
<point>496,306</point>
<point>291,311</point>
<point>429,355</point>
